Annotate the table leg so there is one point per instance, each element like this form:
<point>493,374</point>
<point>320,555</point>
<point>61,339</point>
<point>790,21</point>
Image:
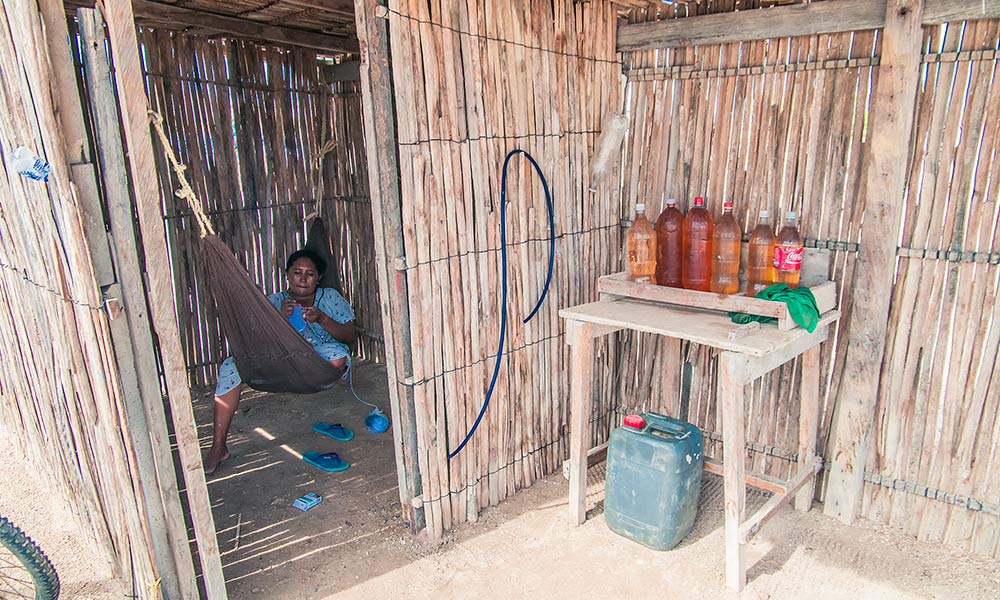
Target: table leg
<point>581,341</point>
<point>730,397</point>
<point>672,377</point>
<point>808,422</point>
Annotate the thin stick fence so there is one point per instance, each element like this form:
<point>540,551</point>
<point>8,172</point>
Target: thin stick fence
<point>782,124</point>
<point>60,400</point>
<point>266,144</point>
<point>474,81</point>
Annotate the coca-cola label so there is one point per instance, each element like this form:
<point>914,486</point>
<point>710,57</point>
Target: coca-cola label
<point>788,258</point>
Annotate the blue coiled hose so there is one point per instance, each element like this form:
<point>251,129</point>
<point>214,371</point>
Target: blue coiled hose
<point>503,279</point>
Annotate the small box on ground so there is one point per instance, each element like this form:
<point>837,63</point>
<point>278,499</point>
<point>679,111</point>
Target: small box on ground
<point>308,501</point>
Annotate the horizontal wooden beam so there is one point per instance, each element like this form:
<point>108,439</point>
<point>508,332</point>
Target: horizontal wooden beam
<point>759,481</point>
<point>599,454</point>
<point>241,28</point>
<point>832,16</point>
<point>751,526</point>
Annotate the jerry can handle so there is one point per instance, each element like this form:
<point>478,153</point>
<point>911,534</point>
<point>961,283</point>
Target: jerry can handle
<point>664,424</point>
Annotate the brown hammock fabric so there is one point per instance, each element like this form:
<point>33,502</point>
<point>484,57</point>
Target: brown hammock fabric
<point>319,242</point>
<point>270,355</point>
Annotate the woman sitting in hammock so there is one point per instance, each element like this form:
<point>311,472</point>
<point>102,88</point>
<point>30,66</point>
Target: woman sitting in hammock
<point>329,328</point>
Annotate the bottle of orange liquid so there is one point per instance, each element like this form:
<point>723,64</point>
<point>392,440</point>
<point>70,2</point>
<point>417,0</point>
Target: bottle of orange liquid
<point>760,255</point>
<point>788,253</point>
<point>641,241</point>
<point>669,245</point>
<point>726,240</point>
<point>696,268</point>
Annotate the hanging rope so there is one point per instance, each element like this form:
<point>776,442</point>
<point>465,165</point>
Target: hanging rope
<point>204,225</point>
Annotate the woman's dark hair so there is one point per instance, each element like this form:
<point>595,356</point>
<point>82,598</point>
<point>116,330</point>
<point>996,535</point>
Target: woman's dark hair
<point>311,255</point>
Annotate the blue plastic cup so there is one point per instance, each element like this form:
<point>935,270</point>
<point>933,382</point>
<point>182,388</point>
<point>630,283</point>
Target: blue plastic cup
<point>376,422</point>
<point>296,319</point>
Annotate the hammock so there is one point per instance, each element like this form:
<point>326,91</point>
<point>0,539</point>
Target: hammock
<point>270,355</point>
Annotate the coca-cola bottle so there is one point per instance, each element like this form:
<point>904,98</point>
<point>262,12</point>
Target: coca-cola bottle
<point>641,241</point>
<point>726,241</point>
<point>669,245</point>
<point>788,253</point>
<point>760,255</point>
<point>696,268</point>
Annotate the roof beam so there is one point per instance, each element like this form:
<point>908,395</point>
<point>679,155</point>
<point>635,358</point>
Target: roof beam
<point>832,16</point>
<point>245,28</point>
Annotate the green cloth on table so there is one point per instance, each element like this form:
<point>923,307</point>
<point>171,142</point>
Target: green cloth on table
<point>801,306</point>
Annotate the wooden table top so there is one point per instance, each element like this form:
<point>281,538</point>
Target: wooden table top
<point>699,326</point>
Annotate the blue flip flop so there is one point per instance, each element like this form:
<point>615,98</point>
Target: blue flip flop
<point>329,461</point>
<point>335,430</point>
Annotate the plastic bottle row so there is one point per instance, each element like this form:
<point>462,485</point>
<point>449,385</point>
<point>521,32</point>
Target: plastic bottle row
<point>696,252</point>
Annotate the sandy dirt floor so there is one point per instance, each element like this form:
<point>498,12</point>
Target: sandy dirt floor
<point>353,544</point>
<point>52,525</point>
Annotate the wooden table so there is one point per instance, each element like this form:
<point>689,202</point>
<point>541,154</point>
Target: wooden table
<point>744,357</point>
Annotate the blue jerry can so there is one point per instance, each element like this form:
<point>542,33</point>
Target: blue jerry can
<point>653,479</point>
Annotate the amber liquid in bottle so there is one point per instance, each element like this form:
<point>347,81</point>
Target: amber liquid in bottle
<point>788,253</point>
<point>760,255</point>
<point>641,247</point>
<point>669,246</point>
<point>696,267</point>
<point>726,240</point>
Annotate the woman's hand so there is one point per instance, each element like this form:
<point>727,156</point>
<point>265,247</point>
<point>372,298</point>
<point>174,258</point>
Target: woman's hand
<point>288,306</point>
<point>313,315</point>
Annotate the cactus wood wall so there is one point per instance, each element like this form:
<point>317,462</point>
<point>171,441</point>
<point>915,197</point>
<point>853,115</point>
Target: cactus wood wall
<point>783,124</point>
<point>472,81</point>
<point>60,399</point>
<point>266,143</point>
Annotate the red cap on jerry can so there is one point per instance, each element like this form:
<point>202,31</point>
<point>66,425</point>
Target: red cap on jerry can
<point>635,421</point>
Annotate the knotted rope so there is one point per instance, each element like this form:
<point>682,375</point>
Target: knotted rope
<point>204,224</point>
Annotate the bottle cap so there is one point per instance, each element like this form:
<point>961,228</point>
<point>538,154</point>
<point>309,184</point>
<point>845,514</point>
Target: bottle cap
<point>727,204</point>
<point>764,214</point>
<point>790,214</point>
<point>671,202</point>
<point>699,201</point>
<point>635,421</point>
<point>640,207</point>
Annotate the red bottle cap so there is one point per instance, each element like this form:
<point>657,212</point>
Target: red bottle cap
<point>699,201</point>
<point>727,204</point>
<point>635,421</point>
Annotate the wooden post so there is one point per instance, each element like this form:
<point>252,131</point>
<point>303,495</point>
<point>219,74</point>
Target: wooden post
<point>581,340</point>
<point>70,115</point>
<point>133,342</point>
<point>808,422</point>
<point>672,377</point>
<point>134,109</point>
<point>883,188</point>
<point>730,397</point>
<point>379,111</point>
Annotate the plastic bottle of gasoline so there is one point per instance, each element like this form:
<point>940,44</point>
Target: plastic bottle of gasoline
<point>788,253</point>
<point>696,268</point>
<point>760,255</point>
<point>669,245</point>
<point>641,241</point>
<point>726,240</point>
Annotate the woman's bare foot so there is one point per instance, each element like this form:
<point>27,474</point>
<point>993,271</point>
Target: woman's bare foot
<point>215,458</point>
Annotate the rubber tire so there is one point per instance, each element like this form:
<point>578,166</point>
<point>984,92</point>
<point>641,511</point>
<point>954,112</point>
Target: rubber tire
<point>33,559</point>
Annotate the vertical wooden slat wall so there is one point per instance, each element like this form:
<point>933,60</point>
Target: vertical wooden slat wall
<point>474,80</point>
<point>937,425</point>
<point>781,124</point>
<point>266,143</point>
<point>60,400</point>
